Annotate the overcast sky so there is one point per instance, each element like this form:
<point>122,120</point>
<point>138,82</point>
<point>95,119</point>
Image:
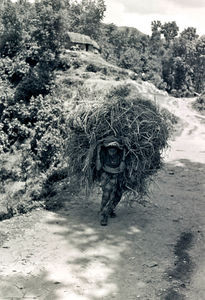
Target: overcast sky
<point>140,13</point>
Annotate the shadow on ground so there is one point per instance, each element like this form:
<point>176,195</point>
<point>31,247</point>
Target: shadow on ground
<point>29,287</point>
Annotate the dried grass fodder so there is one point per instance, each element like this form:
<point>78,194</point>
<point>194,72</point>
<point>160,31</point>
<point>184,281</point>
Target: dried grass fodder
<point>136,122</point>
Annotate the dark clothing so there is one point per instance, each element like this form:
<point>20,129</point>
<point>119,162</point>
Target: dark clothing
<point>112,192</point>
<point>111,180</point>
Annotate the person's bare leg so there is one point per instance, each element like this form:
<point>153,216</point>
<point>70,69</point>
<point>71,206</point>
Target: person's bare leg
<point>116,200</point>
<point>103,208</point>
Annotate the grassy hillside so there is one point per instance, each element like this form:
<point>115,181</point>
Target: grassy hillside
<point>83,70</point>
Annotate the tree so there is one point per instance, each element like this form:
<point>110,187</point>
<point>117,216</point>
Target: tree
<point>189,34</point>
<point>142,43</point>
<point>170,31</point>
<point>199,69</point>
<point>105,39</point>
<point>48,23</point>
<point>114,42</point>
<point>11,30</point>
<point>85,17</point>
<point>155,40</point>
<point>131,59</point>
<point>179,66</point>
<point>156,28</point>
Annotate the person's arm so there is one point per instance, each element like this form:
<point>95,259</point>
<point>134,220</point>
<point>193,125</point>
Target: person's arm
<point>98,162</point>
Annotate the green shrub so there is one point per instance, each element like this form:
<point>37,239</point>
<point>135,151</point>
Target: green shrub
<point>13,70</point>
<point>92,68</point>
<point>199,104</point>
<point>64,63</point>
<point>37,82</point>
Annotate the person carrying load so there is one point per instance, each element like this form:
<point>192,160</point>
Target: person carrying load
<point>110,163</point>
<point>117,139</point>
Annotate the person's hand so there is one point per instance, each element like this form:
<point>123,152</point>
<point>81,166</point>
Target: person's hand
<point>122,166</point>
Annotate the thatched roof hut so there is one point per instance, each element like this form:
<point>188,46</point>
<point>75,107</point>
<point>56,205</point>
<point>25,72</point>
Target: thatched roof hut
<point>83,42</point>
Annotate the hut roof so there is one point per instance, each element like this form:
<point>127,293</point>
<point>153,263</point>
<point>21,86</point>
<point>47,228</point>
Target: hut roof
<point>82,39</point>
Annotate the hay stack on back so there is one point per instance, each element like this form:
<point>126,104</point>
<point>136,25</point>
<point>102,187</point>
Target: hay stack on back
<point>135,122</point>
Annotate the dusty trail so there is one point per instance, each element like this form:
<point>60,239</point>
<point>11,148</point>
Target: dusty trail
<point>152,252</point>
<point>191,142</point>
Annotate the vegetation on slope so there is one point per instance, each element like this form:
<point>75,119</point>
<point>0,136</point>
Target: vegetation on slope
<point>199,104</point>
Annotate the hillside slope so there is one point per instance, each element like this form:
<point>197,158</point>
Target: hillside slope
<point>92,72</point>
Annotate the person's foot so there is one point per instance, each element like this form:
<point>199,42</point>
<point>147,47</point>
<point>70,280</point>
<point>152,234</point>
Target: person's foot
<point>113,214</point>
<point>103,220</point>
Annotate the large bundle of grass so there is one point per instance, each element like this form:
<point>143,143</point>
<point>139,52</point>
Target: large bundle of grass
<point>136,122</point>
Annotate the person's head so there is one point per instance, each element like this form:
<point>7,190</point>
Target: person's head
<point>112,151</point>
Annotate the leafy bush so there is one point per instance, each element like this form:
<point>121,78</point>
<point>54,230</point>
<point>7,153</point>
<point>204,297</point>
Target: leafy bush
<point>36,136</point>
<point>64,63</point>
<point>199,104</point>
<point>37,82</point>
<point>13,70</point>
<point>92,68</point>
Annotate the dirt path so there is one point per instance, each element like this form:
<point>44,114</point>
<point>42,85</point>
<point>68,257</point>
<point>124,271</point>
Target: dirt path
<point>152,252</point>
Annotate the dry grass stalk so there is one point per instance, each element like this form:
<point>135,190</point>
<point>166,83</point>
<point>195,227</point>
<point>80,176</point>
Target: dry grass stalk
<point>136,122</point>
